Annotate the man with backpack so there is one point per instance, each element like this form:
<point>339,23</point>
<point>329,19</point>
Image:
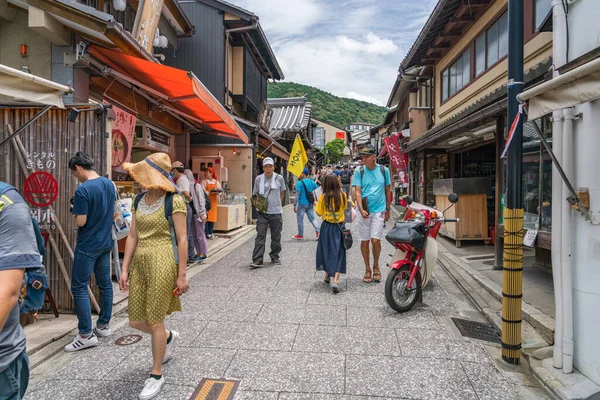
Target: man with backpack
<point>373,198</point>
<point>93,209</point>
<point>346,178</point>
<point>19,253</point>
<point>304,204</point>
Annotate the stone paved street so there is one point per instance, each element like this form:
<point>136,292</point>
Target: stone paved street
<point>284,335</point>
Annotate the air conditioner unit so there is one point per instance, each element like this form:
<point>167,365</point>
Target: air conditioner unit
<point>152,138</point>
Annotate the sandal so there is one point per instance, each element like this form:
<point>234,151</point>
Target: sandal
<point>327,279</point>
<point>367,277</point>
<point>376,274</point>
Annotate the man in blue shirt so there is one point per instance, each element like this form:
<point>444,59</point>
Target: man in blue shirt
<point>302,205</point>
<point>93,208</point>
<point>373,197</point>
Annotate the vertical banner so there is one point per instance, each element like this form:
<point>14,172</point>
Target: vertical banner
<point>146,23</point>
<point>123,130</point>
<point>397,158</point>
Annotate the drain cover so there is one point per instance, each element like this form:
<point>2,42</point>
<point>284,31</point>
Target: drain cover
<point>215,389</point>
<point>127,340</point>
<point>477,330</point>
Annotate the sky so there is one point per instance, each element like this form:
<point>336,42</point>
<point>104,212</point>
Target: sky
<point>351,48</point>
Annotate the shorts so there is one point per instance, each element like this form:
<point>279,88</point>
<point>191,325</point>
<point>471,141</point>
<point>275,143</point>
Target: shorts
<point>370,228</point>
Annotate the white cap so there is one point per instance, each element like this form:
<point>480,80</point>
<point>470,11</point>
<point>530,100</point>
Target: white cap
<point>268,161</point>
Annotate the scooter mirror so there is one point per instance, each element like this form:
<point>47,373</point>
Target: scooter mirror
<point>408,200</point>
<point>453,198</point>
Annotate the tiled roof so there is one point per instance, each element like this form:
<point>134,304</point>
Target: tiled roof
<point>289,115</point>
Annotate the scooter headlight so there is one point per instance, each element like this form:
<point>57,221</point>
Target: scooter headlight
<point>419,216</point>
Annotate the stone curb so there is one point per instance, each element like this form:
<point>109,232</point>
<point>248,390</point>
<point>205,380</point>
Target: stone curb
<point>541,322</point>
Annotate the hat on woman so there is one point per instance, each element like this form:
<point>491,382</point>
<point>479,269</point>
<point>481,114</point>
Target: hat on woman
<point>153,172</point>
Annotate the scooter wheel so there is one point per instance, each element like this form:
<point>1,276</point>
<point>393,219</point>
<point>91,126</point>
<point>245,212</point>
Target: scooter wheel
<point>397,295</point>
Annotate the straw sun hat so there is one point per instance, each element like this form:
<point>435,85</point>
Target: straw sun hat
<point>153,172</point>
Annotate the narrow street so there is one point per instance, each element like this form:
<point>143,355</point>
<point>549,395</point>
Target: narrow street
<point>282,333</point>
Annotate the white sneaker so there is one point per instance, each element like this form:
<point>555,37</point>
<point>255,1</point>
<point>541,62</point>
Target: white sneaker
<point>151,388</point>
<point>169,350</point>
<point>80,343</point>
<point>102,332</point>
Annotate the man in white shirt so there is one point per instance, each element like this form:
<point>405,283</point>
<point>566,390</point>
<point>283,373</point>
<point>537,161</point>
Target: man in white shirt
<point>183,184</point>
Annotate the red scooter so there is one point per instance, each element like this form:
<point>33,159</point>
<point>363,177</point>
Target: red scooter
<point>416,253</point>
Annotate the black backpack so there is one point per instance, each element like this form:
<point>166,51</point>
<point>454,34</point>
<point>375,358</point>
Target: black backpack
<point>168,216</point>
<point>309,195</point>
<point>207,203</point>
<point>345,175</point>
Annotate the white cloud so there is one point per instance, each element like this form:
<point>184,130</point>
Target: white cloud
<point>285,17</point>
<point>354,95</point>
<point>371,44</point>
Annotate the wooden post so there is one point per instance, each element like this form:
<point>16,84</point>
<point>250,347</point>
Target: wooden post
<point>499,243</point>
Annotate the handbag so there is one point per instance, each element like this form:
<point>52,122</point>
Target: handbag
<point>121,216</point>
<point>349,213</point>
<point>347,240</point>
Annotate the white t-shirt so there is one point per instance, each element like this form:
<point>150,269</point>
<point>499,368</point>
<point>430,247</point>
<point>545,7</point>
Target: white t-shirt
<point>183,184</point>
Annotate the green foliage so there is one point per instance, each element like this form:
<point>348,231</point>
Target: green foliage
<point>334,151</point>
<point>337,111</point>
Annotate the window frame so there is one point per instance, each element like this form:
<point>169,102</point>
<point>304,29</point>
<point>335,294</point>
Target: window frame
<point>458,70</point>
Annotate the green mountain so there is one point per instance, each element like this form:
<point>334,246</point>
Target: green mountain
<point>334,110</point>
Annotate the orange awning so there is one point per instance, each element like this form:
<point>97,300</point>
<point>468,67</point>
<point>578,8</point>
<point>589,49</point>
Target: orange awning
<point>177,88</point>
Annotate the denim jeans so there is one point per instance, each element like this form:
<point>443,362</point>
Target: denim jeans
<point>15,378</point>
<point>210,228</point>
<point>309,210</point>
<point>85,262</point>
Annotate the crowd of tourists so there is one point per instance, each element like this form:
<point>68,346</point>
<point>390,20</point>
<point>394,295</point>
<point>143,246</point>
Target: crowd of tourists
<point>170,225</point>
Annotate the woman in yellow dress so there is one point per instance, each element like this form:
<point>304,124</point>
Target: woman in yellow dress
<point>155,280</point>
<point>212,186</point>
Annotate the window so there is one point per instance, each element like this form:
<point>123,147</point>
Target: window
<point>542,8</point>
<point>457,76</point>
<point>492,45</point>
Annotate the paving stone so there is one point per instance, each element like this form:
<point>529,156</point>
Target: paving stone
<point>270,295</point>
<point>120,390</point>
<point>290,372</point>
<point>248,395</point>
<point>188,332</point>
<point>208,293</point>
<point>64,389</point>
<point>219,311</point>
<point>439,344</point>
<point>247,336</point>
<point>319,396</point>
<point>346,340</point>
<point>385,317</point>
<point>489,383</point>
<point>87,365</point>
<point>188,366</point>
<point>345,297</point>
<point>302,314</point>
<point>399,376</point>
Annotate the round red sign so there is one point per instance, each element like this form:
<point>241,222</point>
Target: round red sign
<point>41,189</point>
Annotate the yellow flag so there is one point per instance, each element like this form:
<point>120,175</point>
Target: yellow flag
<point>298,157</point>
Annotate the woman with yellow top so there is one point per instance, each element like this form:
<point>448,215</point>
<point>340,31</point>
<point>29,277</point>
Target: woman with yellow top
<point>331,254</point>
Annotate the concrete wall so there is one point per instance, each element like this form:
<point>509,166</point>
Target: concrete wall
<point>239,167</point>
<point>536,50</point>
<point>15,33</point>
<point>330,131</point>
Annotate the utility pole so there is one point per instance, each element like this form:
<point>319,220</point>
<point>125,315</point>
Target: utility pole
<point>512,287</point>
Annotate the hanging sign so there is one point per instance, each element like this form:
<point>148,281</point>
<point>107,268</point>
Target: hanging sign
<point>396,156</point>
<point>340,135</point>
<point>123,130</point>
<point>41,189</point>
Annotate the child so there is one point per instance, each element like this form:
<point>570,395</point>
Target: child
<point>331,255</point>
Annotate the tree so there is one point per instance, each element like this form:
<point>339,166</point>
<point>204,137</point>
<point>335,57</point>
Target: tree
<point>334,151</point>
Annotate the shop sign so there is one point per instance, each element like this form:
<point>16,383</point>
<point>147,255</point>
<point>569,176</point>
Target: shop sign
<point>123,131</point>
<point>44,217</point>
<point>530,236</point>
<point>340,135</point>
<point>41,189</point>
<point>41,161</point>
<point>319,137</point>
<point>158,140</point>
<point>396,156</point>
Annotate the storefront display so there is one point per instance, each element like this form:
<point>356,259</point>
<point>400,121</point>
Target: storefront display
<point>231,214</point>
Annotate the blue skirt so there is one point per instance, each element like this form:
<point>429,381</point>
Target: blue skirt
<point>331,255</point>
